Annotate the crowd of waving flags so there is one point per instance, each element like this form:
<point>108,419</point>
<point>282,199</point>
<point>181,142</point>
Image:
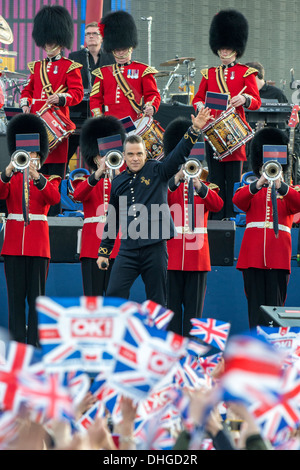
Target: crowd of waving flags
<point>113,348</point>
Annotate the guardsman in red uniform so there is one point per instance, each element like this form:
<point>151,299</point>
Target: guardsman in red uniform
<point>55,80</point>
<point>228,38</point>
<point>128,87</point>
<point>265,258</point>
<point>189,257</point>
<point>26,248</point>
<point>94,193</point>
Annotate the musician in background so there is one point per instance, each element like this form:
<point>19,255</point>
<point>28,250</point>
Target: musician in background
<point>55,81</point>
<point>228,37</point>
<point>265,257</point>
<point>26,248</point>
<point>188,251</point>
<point>266,91</point>
<point>127,88</point>
<point>91,57</point>
<point>94,192</point>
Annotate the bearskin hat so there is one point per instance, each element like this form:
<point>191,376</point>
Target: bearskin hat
<point>228,29</point>
<point>118,30</point>
<point>27,124</point>
<point>94,129</point>
<point>53,25</point>
<point>174,132</point>
<point>265,136</point>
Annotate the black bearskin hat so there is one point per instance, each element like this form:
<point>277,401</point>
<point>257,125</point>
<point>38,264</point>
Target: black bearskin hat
<point>174,132</point>
<point>27,124</point>
<point>94,129</point>
<point>118,30</point>
<point>53,25</point>
<point>228,29</point>
<point>266,136</point>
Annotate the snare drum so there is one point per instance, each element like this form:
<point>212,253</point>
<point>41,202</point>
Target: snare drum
<point>58,126</point>
<point>227,133</point>
<point>152,133</point>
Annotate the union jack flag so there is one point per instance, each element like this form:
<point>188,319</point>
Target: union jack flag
<point>211,331</point>
<point>20,358</point>
<point>9,427</point>
<point>152,436</point>
<point>253,370</point>
<point>156,314</point>
<point>47,393</point>
<point>190,374</point>
<point>88,418</point>
<point>209,363</point>
<point>144,357</point>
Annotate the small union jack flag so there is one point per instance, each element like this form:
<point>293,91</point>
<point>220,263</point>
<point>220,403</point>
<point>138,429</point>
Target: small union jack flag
<point>211,331</point>
<point>156,314</point>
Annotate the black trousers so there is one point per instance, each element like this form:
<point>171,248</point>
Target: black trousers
<point>58,169</point>
<point>25,279</point>
<point>95,280</point>
<point>264,287</point>
<point>185,296</point>
<point>225,175</point>
<point>150,262</point>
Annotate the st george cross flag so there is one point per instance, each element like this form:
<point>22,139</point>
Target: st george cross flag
<point>253,370</point>
<point>28,142</point>
<point>218,101</point>
<point>211,331</point>
<point>275,152</point>
<point>112,142</point>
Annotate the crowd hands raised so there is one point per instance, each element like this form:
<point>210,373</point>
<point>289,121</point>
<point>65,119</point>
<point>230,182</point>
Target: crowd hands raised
<point>202,405</point>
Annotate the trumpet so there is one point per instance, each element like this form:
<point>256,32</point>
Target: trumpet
<point>192,168</point>
<point>271,170</point>
<point>20,159</point>
<point>114,159</point>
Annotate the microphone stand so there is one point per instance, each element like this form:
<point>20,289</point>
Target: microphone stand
<point>149,20</point>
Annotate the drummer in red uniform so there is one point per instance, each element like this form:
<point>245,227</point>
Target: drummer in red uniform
<point>228,38</point>
<point>189,257</point>
<point>55,80</point>
<point>26,248</point>
<point>265,258</point>
<point>94,192</point>
<point>127,88</point>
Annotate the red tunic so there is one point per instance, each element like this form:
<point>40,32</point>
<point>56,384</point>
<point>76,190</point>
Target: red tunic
<point>32,240</point>
<point>260,248</point>
<point>95,200</point>
<point>108,98</point>
<point>238,76</point>
<point>190,251</point>
<point>63,73</point>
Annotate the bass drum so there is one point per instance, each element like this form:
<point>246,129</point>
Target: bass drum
<point>152,134</point>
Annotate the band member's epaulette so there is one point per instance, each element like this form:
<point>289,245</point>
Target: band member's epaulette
<point>297,188</point>
<point>95,89</point>
<point>30,65</point>
<point>97,72</point>
<point>74,65</point>
<point>204,72</point>
<point>149,70</point>
<point>250,71</point>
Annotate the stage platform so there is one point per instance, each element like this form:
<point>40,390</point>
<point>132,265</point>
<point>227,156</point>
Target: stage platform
<point>225,299</point>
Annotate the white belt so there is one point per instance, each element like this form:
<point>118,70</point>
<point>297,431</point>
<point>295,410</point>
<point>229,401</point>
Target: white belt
<point>20,218</point>
<point>92,220</point>
<point>187,230</point>
<point>284,228</point>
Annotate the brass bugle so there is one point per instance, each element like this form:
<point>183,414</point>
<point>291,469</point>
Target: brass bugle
<point>114,159</point>
<point>271,170</point>
<point>20,159</point>
<point>192,168</point>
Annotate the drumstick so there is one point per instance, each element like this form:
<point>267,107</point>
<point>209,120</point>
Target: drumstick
<point>242,90</point>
